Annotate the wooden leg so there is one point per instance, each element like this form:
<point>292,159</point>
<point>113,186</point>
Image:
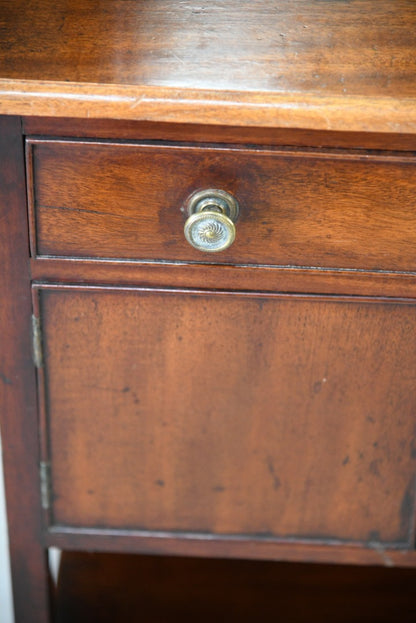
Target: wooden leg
<point>18,408</point>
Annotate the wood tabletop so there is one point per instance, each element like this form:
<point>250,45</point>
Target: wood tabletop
<point>317,64</point>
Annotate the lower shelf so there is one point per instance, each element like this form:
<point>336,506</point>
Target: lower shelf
<point>104,588</point>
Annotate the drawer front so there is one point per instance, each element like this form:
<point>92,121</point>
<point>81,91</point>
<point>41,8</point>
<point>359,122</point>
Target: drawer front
<point>276,417</point>
<point>125,201</point>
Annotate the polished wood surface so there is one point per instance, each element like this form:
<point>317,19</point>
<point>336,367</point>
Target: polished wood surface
<point>330,66</point>
<point>297,208</point>
<point>211,546</point>
<point>188,132</point>
<point>259,45</point>
<point>228,414</point>
<point>260,424</point>
<point>188,275</point>
<point>18,405</point>
<point>97,588</point>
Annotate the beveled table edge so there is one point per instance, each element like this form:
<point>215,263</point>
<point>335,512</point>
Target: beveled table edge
<point>352,113</point>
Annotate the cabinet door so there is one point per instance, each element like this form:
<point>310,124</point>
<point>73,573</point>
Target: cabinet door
<point>271,416</point>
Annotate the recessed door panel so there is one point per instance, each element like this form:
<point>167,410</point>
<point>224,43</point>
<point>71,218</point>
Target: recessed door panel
<point>271,416</point>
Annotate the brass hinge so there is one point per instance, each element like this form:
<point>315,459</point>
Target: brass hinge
<point>45,484</point>
<point>37,342</point>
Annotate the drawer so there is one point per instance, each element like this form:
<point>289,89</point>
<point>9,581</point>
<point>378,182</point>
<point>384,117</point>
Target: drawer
<point>256,416</point>
<point>297,208</point>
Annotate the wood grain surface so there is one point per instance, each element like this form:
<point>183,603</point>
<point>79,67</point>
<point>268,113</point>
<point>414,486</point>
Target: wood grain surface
<point>258,416</point>
<point>331,48</point>
<point>212,546</point>
<point>226,277</point>
<point>298,208</point>
<point>210,423</point>
<point>18,404</point>
<point>320,65</point>
<point>232,135</point>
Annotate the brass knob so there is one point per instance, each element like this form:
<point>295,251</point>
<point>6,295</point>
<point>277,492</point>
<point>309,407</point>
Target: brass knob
<point>210,225</point>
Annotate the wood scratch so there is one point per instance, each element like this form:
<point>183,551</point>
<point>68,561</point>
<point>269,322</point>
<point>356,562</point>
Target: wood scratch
<point>178,58</point>
<point>272,471</point>
<point>387,561</point>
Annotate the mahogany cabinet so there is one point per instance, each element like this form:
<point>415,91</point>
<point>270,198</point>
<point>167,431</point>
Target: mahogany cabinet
<point>255,402</point>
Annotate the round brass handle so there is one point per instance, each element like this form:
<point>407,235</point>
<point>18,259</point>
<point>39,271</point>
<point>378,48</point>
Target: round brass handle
<point>209,231</point>
<point>210,225</point>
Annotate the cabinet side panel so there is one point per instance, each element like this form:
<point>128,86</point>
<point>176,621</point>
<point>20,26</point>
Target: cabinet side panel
<point>18,413</point>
